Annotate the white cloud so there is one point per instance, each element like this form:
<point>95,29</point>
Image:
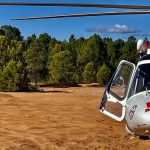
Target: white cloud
<point>114,29</point>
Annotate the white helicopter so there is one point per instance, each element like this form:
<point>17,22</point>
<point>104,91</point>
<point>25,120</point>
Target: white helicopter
<point>128,93</point>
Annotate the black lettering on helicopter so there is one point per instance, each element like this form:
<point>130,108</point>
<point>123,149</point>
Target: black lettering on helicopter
<point>132,111</point>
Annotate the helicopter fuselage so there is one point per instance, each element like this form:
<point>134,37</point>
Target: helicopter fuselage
<point>138,114</point>
<point>138,105</point>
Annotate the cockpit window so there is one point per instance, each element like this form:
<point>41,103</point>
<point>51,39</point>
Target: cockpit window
<point>141,81</point>
<point>120,82</point>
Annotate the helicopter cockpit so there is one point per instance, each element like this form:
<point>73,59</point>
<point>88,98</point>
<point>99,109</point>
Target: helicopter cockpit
<point>141,81</point>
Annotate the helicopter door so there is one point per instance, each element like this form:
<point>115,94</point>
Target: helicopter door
<point>115,95</point>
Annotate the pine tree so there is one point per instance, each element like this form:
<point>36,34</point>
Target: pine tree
<point>61,68</point>
<point>89,74</point>
<point>103,75</point>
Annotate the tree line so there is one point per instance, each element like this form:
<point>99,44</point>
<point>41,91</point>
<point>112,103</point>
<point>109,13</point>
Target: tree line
<point>44,59</point>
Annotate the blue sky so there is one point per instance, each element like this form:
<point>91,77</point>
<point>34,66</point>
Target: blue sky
<point>109,26</point>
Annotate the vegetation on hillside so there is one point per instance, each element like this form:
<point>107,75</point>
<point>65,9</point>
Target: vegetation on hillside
<point>45,59</point>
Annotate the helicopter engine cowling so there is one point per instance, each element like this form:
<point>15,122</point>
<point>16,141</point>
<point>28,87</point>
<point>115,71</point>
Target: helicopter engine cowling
<point>143,46</point>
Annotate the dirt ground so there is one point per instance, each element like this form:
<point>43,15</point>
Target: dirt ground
<point>61,119</point>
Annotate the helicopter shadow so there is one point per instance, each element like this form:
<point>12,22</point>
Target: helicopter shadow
<point>144,138</point>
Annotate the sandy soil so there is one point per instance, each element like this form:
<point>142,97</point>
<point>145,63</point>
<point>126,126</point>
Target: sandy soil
<point>61,119</point>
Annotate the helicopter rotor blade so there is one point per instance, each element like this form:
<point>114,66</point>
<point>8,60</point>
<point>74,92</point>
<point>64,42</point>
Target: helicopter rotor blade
<point>86,14</point>
<point>74,5</point>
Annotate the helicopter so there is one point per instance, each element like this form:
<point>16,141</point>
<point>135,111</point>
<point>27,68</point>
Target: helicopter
<point>127,95</point>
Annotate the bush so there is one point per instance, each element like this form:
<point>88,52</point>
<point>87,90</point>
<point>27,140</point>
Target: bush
<point>14,77</point>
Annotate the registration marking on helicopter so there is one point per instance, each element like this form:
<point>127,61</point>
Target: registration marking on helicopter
<point>132,111</point>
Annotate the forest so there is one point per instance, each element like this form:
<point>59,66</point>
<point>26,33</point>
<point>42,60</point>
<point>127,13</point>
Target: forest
<point>46,60</point>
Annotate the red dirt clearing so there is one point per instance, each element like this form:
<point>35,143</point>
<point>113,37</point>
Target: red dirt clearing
<point>61,119</point>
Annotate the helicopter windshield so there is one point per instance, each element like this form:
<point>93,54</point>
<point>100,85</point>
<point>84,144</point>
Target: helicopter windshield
<point>141,81</point>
